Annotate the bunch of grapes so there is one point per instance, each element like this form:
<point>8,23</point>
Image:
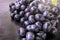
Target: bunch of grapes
<point>38,21</point>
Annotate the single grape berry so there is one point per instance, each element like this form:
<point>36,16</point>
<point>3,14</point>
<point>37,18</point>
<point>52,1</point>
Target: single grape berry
<point>38,16</point>
<point>45,13</point>
<point>41,7</point>
<point>16,17</point>
<point>22,32</point>
<point>22,20</point>
<point>27,9</point>
<point>30,36</point>
<point>23,39</point>
<point>33,8</point>
<point>27,14</point>
<point>28,27</point>
<point>39,38</point>
<point>38,24</point>
<point>15,12</point>
<point>31,19</point>
<point>42,35</point>
<point>50,15</point>
<point>34,28</point>
<point>55,9</point>
<point>22,7</point>
<point>12,16</point>
<point>12,9</point>
<point>17,6</point>
<point>11,4</point>
<point>47,26</point>
<point>21,13</point>
<point>26,23</point>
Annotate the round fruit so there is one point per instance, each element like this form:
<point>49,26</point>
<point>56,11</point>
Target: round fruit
<point>50,15</point>
<point>15,12</point>
<point>21,13</point>
<point>38,16</point>
<point>42,19</point>
<point>47,26</point>
<point>27,9</point>
<point>34,28</point>
<point>22,31</point>
<point>39,38</point>
<point>12,9</point>
<point>12,16</point>
<point>26,23</point>
<point>22,20</point>
<point>32,3</point>
<point>10,5</point>
<point>22,7</point>
<point>55,9</point>
<point>17,6</point>
<point>30,36</point>
<point>16,17</point>
<point>39,24</point>
<point>23,39</point>
<point>58,5</point>
<point>33,8</point>
<point>31,19</point>
<point>22,2</point>
<point>27,14</point>
<point>42,35</point>
<point>45,13</point>
<point>54,30</point>
<point>58,16</point>
<point>41,7</point>
<point>28,27</point>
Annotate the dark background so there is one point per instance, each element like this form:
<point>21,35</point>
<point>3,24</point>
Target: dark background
<point>8,29</point>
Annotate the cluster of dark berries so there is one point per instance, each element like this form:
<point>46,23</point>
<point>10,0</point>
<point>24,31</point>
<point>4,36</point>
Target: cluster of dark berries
<point>38,21</point>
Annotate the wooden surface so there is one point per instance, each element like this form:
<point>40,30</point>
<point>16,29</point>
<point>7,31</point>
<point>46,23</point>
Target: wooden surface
<point>8,30</point>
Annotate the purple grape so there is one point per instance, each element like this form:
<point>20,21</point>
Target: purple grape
<point>30,36</point>
<point>12,16</point>
<point>34,28</point>
<point>22,20</point>
<point>17,6</point>
<point>41,7</point>
<point>27,14</point>
<point>12,9</point>
<point>27,9</point>
<point>42,35</point>
<point>23,39</point>
<point>16,17</point>
<point>45,13</point>
<point>50,15</point>
<point>54,30</point>
<point>15,12</point>
<point>22,31</point>
<point>33,8</point>
<point>10,5</point>
<point>22,1</point>
<point>28,27</point>
<point>55,9</point>
<point>39,38</point>
<point>26,23</point>
<point>22,7</point>
<point>38,16</point>
<point>47,26</point>
<point>31,19</point>
<point>38,24</point>
<point>21,13</point>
